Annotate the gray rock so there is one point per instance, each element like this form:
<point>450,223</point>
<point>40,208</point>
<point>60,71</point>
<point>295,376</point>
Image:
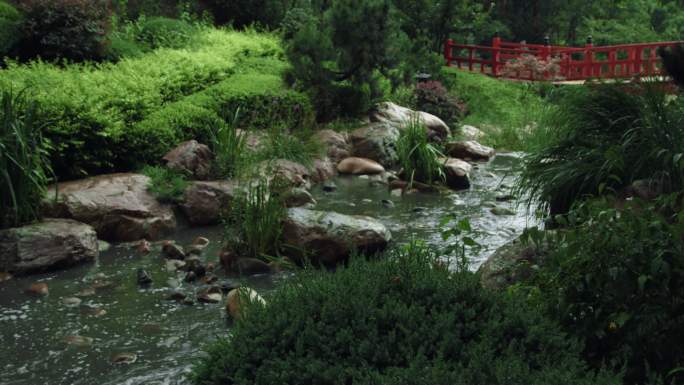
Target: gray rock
<point>512,263</point>
<point>191,158</point>
<point>172,251</point>
<point>337,144</point>
<point>502,211</point>
<point>376,141</point>
<point>323,169</point>
<point>469,149</point>
<point>297,197</point>
<point>204,202</point>
<point>329,186</point>
<point>399,117</point>
<point>457,173</point>
<point>143,278</point>
<point>329,238</point>
<point>46,245</point>
<point>286,172</point>
<point>118,206</point>
<point>471,133</point>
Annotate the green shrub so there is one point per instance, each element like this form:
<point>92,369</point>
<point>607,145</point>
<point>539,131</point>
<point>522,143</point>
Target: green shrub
<point>167,185</point>
<point>397,320</point>
<point>615,278</point>
<point>10,27</point>
<point>158,32</point>
<point>604,137</point>
<point>120,48</point>
<point>71,29</point>
<point>90,109</point>
<point>419,158</point>
<point>433,98</point>
<point>24,170</point>
<point>255,220</point>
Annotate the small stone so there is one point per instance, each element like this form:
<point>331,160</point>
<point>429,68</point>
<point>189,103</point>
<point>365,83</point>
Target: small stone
<point>251,266</point>
<point>366,200</point>
<point>99,285</point>
<point>419,209</point>
<point>177,296</point>
<point>87,292</point>
<point>144,247</point>
<point>488,204</point>
<point>386,203</point>
<point>174,264</point>
<point>93,311</point>
<point>201,242</point>
<point>39,288</point>
<point>173,283</point>
<point>329,186</point>
<point>228,285</point>
<point>235,305</point>
<point>190,276</point>
<point>364,177</point>
<point>505,198</point>
<point>71,301</point>
<point>124,358</point>
<point>211,295</point>
<point>100,276</point>
<point>396,192</point>
<point>211,266</point>
<point>5,276</point>
<point>502,211</point>
<point>172,251</point>
<point>79,341</point>
<point>209,279</point>
<point>143,277</point>
<point>188,302</point>
<point>194,250</point>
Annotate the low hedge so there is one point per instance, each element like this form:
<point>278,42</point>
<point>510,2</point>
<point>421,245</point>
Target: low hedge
<point>90,107</point>
<point>394,321</point>
<point>262,101</point>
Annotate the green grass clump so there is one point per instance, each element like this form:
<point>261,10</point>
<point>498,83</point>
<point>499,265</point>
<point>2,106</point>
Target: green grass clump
<point>24,169</point>
<point>398,320</point>
<point>167,185</point>
<point>91,108</point>
<point>603,138</point>
<point>229,148</point>
<point>255,220</point>
<point>419,159</point>
<point>299,146</point>
<point>507,111</point>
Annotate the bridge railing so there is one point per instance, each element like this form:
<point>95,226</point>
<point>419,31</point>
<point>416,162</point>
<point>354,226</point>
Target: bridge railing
<point>507,59</point>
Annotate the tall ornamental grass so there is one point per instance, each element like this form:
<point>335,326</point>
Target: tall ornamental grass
<point>24,168</point>
<point>602,138</point>
<point>419,158</point>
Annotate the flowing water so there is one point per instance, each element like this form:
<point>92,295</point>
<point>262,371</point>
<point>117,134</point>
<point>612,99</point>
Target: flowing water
<point>37,342</point>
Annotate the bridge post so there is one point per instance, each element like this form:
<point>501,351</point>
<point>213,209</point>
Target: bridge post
<point>496,53</point>
<point>448,51</point>
<point>588,58</point>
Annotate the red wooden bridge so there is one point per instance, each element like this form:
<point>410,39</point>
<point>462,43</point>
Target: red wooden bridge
<point>521,61</point>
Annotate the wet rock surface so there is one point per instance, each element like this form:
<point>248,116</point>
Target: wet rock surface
<point>204,202</point>
<point>47,245</point>
<point>191,158</point>
<point>118,206</point>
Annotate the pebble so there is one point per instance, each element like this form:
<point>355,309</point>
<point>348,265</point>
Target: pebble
<point>144,247</point>
<point>505,198</point>
<point>329,186</point>
<point>71,301</point>
<point>124,358</point>
<point>190,276</point>
<point>387,203</point>
<point>201,242</point>
<point>367,200</point>
<point>502,211</point>
<point>177,296</point>
<point>87,292</point>
<point>143,277</point>
<point>39,288</point>
<point>78,341</point>
<point>172,251</point>
<point>5,276</point>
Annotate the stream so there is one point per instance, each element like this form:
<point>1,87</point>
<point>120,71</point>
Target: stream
<point>37,333</point>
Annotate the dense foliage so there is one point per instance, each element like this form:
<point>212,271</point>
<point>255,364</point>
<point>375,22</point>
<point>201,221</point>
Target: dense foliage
<point>24,169</point>
<point>10,28</point>
<point>70,29</point>
<point>432,97</point>
<point>395,321</point>
<point>603,138</point>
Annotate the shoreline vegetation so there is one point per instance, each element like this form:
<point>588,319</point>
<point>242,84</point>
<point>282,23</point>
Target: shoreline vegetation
<point>130,118</point>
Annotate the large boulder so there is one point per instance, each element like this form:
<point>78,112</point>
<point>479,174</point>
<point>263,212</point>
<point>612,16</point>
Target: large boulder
<point>399,117</point>
<point>359,166</point>
<point>323,169</point>
<point>328,238</point>
<point>291,174</point>
<point>204,202</point>
<point>471,133</point>
<point>457,173</point>
<point>469,149</point>
<point>512,263</point>
<point>191,158</point>
<point>376,141</point>
<point>118,206</point>
<point>337,144</point>
<point>47,245</point>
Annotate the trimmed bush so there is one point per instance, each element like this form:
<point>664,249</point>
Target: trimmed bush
<point>432,97</point>
<point>158,32</point>
<point>262,100</point>
<point>89,108</point>
<point>70,29</point>
<point>394,321</point>
<point>10,27</point>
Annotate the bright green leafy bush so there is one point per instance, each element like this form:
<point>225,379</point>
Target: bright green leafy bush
<point>24,169</point>
<point>167,185</point>
<point>615,278</point>
<point>71,29</point>
<point>398,320</point>
<point>10,27</point>
<point>90,108</point>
